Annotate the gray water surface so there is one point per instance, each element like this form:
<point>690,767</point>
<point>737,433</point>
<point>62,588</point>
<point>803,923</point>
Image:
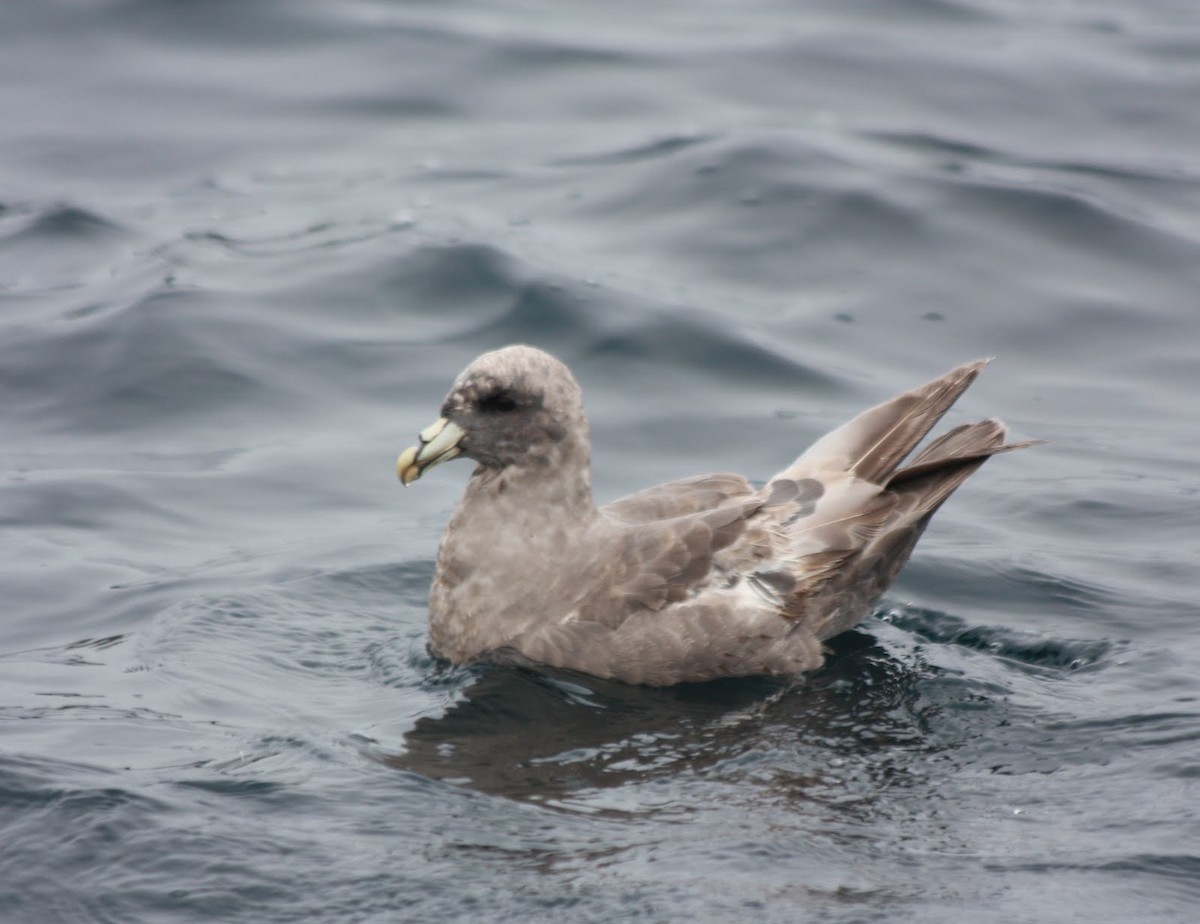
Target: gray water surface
<point>245,247</point>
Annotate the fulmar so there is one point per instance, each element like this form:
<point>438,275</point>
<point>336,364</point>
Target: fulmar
<point>692,580</point>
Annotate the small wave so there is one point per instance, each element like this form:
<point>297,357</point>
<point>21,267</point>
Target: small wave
<point>162,358</point>
<point>1021,647</point>
<point>73,221</point>
<point>1159,730</point>
<point>1089,223</point>
<point>436,293</point>
<point>58,248</point>
<point>237,788</point>
<point>694,341</point>
<point>326,627</point>
<point>75,789</point>
<point>317,236</point>
<point>958,150</point>
<point>648,150</point>
<point>1166,871</point>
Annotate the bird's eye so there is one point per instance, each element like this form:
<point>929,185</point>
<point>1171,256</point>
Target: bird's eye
<point>497,402</point>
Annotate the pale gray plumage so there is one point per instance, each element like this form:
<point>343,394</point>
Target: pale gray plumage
<point>691,580</point>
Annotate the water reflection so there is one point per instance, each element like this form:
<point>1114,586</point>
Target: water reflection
<point>550,738</point>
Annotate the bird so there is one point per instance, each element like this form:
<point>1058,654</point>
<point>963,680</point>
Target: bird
<point>693,580</point>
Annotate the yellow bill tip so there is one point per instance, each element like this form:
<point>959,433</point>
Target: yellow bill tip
<point>407,469</point>
<point>438,444</point>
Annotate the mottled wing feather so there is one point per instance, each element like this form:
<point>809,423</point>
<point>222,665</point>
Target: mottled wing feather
<point>821,525</point>
<point>678,498</point>
<point>665,562</point>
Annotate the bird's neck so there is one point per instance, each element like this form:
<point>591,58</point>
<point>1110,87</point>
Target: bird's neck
<point>497,557</point>
<point>533,492</point>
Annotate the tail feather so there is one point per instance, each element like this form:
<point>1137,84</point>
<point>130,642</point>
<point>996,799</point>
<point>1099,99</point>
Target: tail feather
<point>971,442</point>
<point>917,492</point>
<point>875,442</point>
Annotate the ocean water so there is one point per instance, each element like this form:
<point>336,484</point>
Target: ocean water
<point>245,247</point>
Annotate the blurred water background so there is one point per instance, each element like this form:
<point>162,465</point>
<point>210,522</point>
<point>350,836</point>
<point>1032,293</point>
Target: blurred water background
<point>245,247</point>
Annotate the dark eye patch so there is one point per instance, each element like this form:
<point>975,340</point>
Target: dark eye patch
<point>497,402</point>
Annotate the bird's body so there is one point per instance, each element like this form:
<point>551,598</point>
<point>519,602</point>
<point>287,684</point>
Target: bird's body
<point>692,580</point>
